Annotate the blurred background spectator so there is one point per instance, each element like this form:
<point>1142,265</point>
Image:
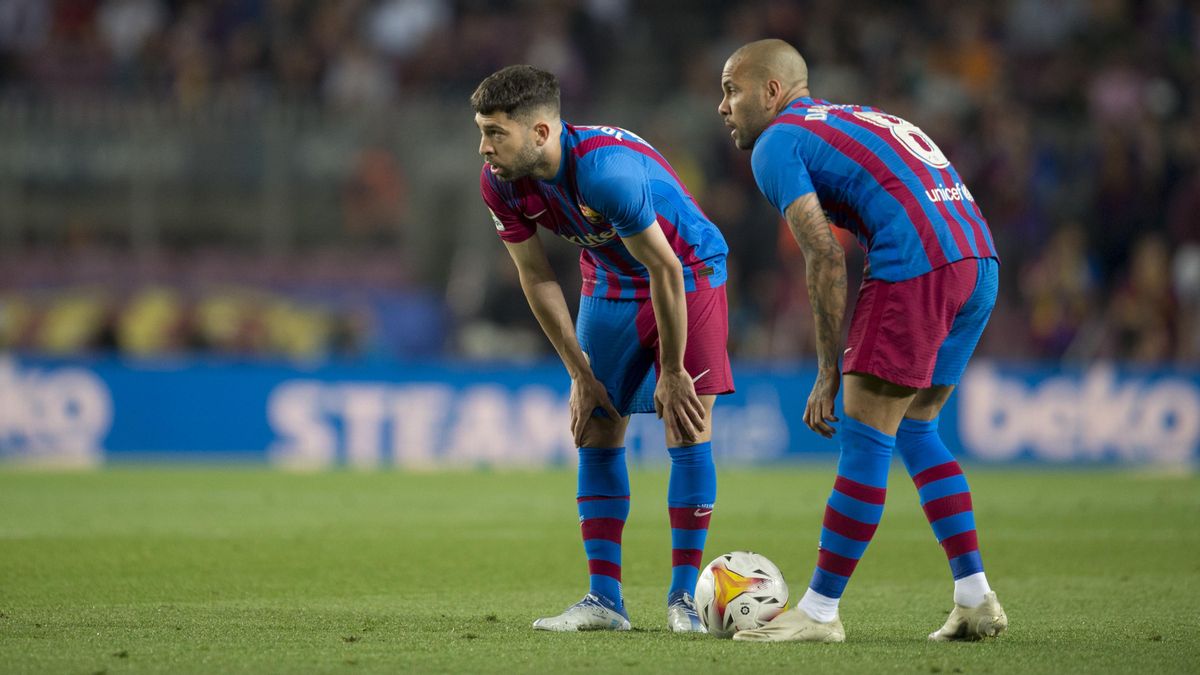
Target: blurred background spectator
<point>298,178</point>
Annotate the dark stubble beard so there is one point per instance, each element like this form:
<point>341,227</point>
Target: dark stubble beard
<point>528,162</point>
<point>756,123</point>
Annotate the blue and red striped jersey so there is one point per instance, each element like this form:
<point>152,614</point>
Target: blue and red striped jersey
<point>877,176</point>
<point>610,184</point>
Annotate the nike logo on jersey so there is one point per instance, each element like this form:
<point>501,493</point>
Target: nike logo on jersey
<point>697,378</point>
<point>534,216</point>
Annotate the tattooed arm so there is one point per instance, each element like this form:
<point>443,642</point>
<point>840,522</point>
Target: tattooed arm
<point>825,263</point>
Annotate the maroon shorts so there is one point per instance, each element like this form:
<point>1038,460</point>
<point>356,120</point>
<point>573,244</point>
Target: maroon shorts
<point>705,357</point>
<point>921,331</point>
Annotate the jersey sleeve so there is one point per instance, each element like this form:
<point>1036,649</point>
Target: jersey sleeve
<point>619,189</point>
<point>510,225</point>
<point>779,169</point>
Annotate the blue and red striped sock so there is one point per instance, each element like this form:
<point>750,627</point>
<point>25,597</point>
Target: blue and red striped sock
<point>946,499</point>
<point>851,514</point>
<point>603,502</point>
<point>691,495</point>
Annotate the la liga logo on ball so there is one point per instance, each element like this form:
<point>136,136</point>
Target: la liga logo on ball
<point>737,591</point>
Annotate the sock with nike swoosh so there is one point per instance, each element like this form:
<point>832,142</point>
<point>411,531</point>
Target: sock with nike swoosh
<point>691,494</point>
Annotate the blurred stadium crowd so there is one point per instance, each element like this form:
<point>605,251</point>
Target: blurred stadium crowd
<point>298,178</point>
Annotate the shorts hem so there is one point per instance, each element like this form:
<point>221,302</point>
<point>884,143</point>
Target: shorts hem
<point>889,376</point>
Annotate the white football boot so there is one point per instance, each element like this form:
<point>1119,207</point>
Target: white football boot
<point>795,625</point>
<point>973,623</point>
<point>682,616</point>
<point>591,613</point>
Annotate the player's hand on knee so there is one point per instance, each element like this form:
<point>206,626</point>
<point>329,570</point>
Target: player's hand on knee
<point>587,394</point>
<point>679,407</point>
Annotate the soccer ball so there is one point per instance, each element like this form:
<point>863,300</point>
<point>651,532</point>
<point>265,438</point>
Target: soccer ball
<point>739,591</point>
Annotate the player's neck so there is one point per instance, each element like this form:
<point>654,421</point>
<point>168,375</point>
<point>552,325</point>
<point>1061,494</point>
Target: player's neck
<point>552,158</point>
<point>791,95</point>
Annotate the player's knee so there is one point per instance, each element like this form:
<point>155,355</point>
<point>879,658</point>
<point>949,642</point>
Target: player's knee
<point>602,432</point>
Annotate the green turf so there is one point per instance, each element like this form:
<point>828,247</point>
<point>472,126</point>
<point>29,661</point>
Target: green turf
<point>248,570</point>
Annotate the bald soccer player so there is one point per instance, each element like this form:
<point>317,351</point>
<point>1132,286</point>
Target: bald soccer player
<point>929,287</point>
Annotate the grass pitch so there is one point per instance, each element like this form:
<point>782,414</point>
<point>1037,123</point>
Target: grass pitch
<point>132,570</point>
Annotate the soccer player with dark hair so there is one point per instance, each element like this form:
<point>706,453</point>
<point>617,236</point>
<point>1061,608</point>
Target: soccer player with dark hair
<point>652,324</point>
<point>929,288</point>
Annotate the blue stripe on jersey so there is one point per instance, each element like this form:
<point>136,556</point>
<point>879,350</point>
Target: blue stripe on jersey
<point>696,240</point>
<point>952,208</point>
<point>673,203</point>
<point>859,195</point>
<point>899,168</point>
<point>638,183</point>
<point>901,251</point>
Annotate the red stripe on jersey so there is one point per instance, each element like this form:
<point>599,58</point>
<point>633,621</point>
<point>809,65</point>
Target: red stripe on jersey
<point>517,228</point>
<point>838,564</point>
<point>857,152</point>
<point>610,253</point>
<point>608,529</point>
<point>961,543</point>
<point>848,218</point>
<point>685,252</point>
<point>847,526</point>
<point>580,226</point>
<point>863,493</point>
<point>969,218</point>
<point>938,472</point>
<point>923,173</point>
<point>991,247</point>
<point>947,506</point>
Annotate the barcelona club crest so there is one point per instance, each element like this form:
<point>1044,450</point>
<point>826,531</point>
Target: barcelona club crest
<point>590,214</point>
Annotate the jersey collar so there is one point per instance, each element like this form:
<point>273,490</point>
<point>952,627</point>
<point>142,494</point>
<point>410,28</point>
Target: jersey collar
<point>806,100</point>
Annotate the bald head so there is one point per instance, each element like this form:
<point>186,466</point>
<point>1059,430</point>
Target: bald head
<point>759,80</point>
<point>771,60</point>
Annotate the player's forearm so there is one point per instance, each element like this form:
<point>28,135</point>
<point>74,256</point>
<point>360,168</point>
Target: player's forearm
<point>826,277</point>
<point>668,297</point>
<point>549,307</point>
<point>825,263</point>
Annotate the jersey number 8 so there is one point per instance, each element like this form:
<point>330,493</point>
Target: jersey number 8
<point>910,136</point>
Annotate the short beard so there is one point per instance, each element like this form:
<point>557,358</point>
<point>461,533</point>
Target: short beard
<point>757,125</point>
<point>528,162</point>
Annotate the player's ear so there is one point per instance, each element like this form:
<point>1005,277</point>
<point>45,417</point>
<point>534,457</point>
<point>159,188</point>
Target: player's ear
<point>541,130</point>
<point>774,91</point>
